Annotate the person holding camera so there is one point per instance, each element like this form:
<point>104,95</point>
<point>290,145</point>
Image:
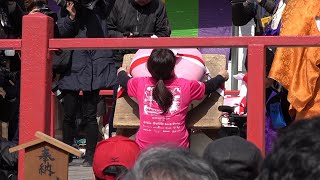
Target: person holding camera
<point>88,70</point>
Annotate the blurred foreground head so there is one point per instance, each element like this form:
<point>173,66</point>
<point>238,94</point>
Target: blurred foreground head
<point>166,163</point>
<point>296,153</point>
<point>32,4</point>
<point>234,158</point>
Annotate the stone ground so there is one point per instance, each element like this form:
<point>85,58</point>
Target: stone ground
<point>77,172</point>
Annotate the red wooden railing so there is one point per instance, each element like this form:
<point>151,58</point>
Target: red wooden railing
<point>37,41</point>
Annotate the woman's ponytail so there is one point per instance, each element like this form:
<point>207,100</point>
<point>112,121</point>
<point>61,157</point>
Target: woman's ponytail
<point>163,96</point>
<point>161,65</point>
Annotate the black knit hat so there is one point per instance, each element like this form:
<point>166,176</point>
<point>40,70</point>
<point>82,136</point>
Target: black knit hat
<point>234,158</point>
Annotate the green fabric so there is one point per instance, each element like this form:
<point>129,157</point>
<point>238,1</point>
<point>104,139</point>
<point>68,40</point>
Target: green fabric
<point>183,17</point>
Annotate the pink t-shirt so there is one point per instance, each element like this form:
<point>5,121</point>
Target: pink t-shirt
<point>156,128</point>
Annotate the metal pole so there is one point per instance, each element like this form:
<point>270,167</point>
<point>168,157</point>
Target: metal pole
<point>234,60</point>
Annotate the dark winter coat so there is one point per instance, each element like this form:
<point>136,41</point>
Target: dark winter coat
<point>128,16</point>
<point>89,69</point>
<point>143,21</point>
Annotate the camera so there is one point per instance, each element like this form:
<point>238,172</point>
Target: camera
<point>44,10</point>
<point>232,123</point>
<point>136,34</point>
<point>55,89</point>
<point>47,11</point>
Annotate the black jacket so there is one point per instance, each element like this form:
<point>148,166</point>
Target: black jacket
<point>11,21</point>
<point>90,69</point>
<point>128,16</point>
<point>242,13</point>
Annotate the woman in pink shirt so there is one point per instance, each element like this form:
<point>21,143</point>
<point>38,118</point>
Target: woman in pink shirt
<point>163,99</point>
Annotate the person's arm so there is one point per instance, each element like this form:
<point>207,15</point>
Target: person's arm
<point>130,84</point>
<point>162,28</point>
<point>268,5</point>
<point>68,25</point>
<point>123,78</point>
<point>112,23</point>
<point>216,82</point>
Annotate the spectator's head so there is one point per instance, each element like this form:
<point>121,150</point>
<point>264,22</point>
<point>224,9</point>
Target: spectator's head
<point>164,163</point>
<point>143,2</point>
<point>32,4</point>
<point>234,158</point>
<point>295,154</point>
<point>114,156</point>
<point>161,65</point>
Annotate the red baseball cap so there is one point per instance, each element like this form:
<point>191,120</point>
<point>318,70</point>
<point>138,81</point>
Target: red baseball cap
<point>117,150</point>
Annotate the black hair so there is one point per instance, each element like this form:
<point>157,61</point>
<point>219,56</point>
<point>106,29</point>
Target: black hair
<point>161,65</point>
<point>295,154</point>
<point>31,4</point>
<point>116,171</point>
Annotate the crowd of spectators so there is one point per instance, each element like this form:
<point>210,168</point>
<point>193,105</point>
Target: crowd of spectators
<point>294,153</point>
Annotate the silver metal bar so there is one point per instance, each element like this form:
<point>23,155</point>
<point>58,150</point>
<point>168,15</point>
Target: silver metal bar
<point>234,60</point>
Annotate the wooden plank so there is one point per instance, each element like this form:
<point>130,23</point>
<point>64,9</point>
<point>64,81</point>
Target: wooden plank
<point>58,144</point>
<point>25,145</point>
<point>204,116</point>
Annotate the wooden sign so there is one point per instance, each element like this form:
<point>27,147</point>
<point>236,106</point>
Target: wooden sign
<point>46,158</point>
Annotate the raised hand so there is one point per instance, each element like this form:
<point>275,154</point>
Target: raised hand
<point>224,73</point>
<point>71,9</point>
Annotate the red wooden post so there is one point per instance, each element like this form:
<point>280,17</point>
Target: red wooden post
<point>36,73</point>
<point>256,96</point>
<point>53,114</point>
